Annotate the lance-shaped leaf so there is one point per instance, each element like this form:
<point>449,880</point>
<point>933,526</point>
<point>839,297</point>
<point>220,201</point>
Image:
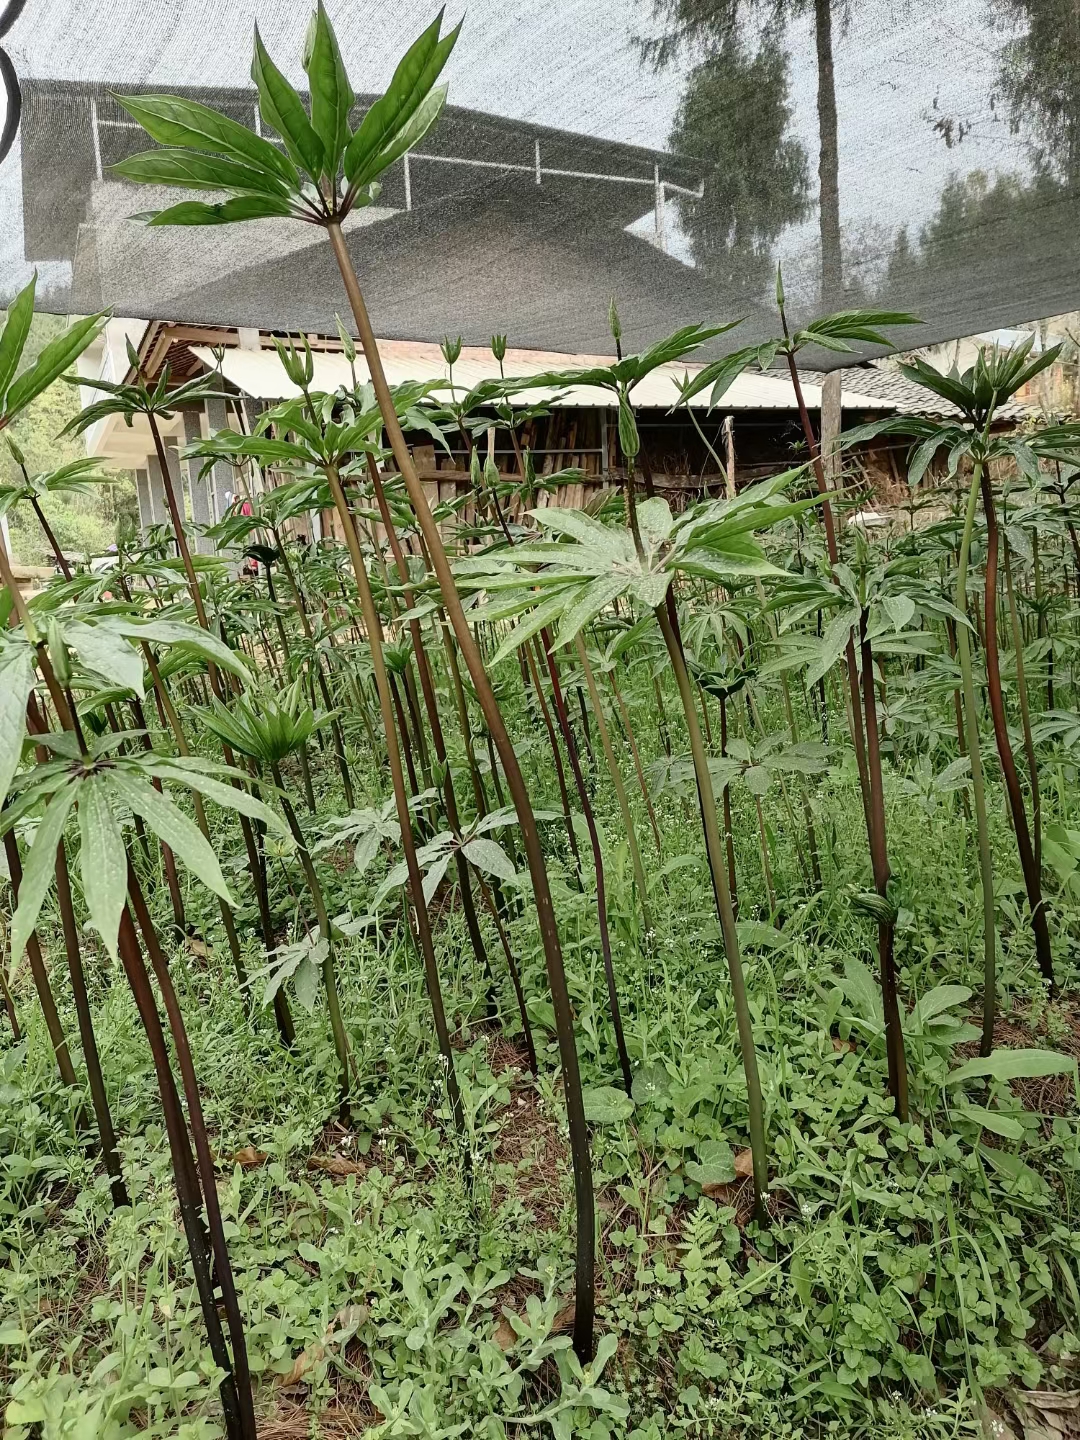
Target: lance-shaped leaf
<point>106,654</point>
<point>16,683</point>
<point>173,121</point>
<point>178,632</point>
<point>589,603</point>
<point>412,82</point>
<point>833,331</point>
<point>102,861</point>
<point>489,856</point>
<point>331,94</point>
<point>832,644</point>
<point>173,827</point>
<point>192,773</point>
<point>544,614</point>
<point>56,357</point>
<point>39,870</point>
<point>433,875</point>
<point>1013,1065</point>
<point>241,207</point>
<point>13,339</point>
<point>673,347</point>
<point>720,375</point>
<point>189,170</point>
<point>396,877</point>
<point>283,110</point>
<point>410,135</point>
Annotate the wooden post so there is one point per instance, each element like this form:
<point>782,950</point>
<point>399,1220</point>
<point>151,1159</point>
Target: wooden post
<point>729,454</point>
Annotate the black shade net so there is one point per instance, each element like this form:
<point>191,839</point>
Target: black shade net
<point>892,153</point>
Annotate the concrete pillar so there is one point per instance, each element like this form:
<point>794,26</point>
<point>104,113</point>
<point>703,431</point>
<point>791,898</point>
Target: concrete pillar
<point>176,476</point>
<point>222,480</point>
<point>158,509</point>
<point>198,486</point>
<point>176,482</point>
<point>142,489</point>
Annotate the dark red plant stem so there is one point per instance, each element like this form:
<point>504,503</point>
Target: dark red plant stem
<point>438,740</point>
<point>40,974</point>
<point>879,859</point>
<point>598,860</point>
<point>222,1264</point>
<point>9,1006</point>
<point>61,558</point>
<point>187,1184</point>
<point>560,773</point>
<point>99,1097</point>
<point>98,1093</point>
<point>1032,879</point>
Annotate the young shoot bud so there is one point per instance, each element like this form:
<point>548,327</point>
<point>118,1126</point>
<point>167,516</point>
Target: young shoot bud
<point>629,440</point>
<point>348,344</point>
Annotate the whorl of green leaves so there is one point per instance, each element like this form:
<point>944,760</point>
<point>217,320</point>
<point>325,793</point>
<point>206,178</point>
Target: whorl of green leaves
<point>325,169</point>
<point>105,787</point>
<point>264,726</point>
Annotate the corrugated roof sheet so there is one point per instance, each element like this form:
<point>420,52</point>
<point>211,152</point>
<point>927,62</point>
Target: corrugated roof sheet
<point>258,373</point>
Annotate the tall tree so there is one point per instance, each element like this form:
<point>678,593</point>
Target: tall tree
<point>713,28</point>
<point>712,31</point>
<point>734,116</point>
<point>1040,81</point>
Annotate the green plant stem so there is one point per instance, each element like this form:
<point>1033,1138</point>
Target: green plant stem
<point>616,779</point>
<point>854,713</point>
<point>631,740</point>
<point>560,774</point>
<point>729,833</point>
<point>715,854</point>
<point>333,1003</point>
<point>585,1282</point>
<point>419,908</point>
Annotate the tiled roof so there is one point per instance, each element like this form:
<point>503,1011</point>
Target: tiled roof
<point>883,381</point>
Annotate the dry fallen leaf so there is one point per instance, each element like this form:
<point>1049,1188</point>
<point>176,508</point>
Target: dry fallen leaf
<point>723,1194</point>
<point>339,1332</point>
<point>1046,1414</point>
<point>504,1335</point>
<point>564,1320</point>
<point>335,1165</point>
<point>744,1164</point>
<point>248,1156</point>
